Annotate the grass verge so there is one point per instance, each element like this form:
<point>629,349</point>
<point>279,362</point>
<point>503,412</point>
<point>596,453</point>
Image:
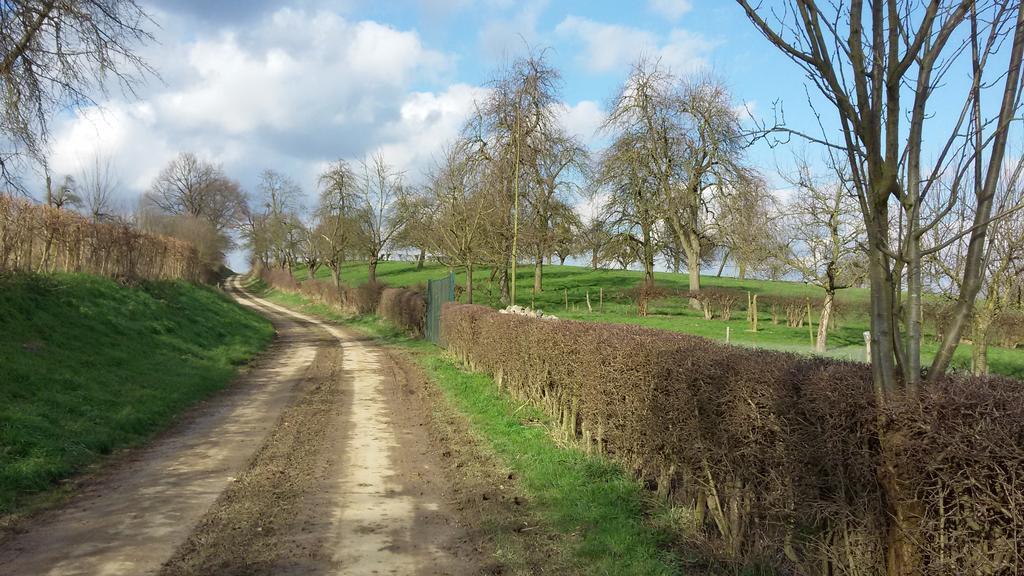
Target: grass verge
<point>609,524</point>
<point>88,366</point>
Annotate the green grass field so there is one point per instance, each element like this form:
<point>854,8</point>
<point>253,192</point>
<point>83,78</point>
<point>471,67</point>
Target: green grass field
<point>608,523</point>
<point>575,283</point>
<point>88,366</point>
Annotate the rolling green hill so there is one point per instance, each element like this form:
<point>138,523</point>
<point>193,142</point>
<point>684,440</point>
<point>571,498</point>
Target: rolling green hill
<point>88,366</point>
<point>671,313</point>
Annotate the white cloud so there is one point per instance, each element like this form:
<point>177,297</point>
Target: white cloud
<point>428,121</point>
<point>583,119</point>
<point>671,9</point>
<point>608,47</point>
<point>290,92</point>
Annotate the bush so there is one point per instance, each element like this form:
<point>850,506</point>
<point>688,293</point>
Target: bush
<point>365,298</point>
<point>404,308</point>
<point>36,238</point>
<point>780,458</point>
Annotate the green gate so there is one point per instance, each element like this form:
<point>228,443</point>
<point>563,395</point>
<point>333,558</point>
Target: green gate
<point>439,292</point>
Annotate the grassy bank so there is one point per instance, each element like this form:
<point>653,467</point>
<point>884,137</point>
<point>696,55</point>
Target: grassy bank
<point>607,521</point>
<point>574,284</point>
<point>88,366</point>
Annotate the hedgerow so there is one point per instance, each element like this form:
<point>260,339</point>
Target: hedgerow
<point>781,459</point>
<point>37,238</point>
<point>404,308</point>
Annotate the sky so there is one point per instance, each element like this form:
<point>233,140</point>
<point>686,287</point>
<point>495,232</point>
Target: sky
<point>291,86</point>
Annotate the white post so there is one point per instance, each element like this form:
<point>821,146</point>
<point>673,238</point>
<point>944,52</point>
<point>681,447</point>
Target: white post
<point>727,334</point>
<point>867,347</point>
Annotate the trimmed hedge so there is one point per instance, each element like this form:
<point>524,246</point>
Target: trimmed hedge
<point>782,459</point>
<point>404,308</point>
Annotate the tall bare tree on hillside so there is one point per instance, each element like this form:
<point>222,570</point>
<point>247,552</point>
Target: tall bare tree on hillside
<point>381,194</point>
<point>880,66</point>
<point>746,225</point>
<point>337,225</point>
<point>824,235</point>
<point>462,209</point>
<point>58,55</point>
<point>638,167</point>
<point>707,153</point>
<point>516,130</point>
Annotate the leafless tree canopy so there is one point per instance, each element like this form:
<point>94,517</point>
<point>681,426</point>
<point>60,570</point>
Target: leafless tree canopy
<point>880,66</point>
<point>58,54</point>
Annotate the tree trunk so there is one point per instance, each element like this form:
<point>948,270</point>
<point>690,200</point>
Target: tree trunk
<point>883,354</point>
<point>561,260</point>
<point>721,266</point>
<point>693,268</point>
<point>421,259</point>
<point>979,353</point>
<point>538,275</point>
<point>741,267</point>
<point>503,282</point>
<point>469,283</point>
<point>826,314</point>
<point>594,260</point>
<point>372,271</point>
<point>336,276</point>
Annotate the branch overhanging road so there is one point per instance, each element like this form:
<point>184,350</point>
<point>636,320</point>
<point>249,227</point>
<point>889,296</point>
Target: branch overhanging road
<point>300,467</point>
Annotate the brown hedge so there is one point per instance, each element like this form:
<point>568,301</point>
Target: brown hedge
<point>404,308</point>
<point>778,456</point>
<point>37,238</point>
<point>363,299</point>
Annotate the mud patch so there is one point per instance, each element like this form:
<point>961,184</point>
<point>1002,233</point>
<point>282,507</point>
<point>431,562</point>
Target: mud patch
<point>257,525</point>
<point>501,533</point>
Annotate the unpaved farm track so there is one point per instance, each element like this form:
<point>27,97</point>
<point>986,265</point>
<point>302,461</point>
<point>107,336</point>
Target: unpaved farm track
<point>306,465</point>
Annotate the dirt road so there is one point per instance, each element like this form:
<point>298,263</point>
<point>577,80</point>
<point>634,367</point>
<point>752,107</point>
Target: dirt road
<point>306,465</point>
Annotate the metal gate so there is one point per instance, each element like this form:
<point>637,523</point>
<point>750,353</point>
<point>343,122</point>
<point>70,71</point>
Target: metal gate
<point>438,293</point>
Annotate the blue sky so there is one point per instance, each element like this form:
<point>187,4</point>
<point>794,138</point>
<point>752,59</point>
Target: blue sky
<point>293,85</point>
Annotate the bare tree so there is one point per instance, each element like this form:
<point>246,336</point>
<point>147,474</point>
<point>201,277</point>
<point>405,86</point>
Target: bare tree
<point>65,195</point>
<point>746,225</point>
<point>594,237</point>
<point>276,224</point>
<point>457,191</point>
<point>824,233</point>
<point>558,161</point>
<point>188,185</point>
<point>881,65</point>
<point>516,130</point>
<point>1003,277</point>
<point>381,194</point>
<point>98,186</point>
<point>57,55</point>
<point>706,148</point>
<point>638,167</point>
<point>337,225</point>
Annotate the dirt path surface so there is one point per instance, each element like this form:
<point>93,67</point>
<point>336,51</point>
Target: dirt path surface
<point>307,465</point>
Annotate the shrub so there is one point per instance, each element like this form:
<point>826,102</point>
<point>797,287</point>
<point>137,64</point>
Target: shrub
<point>363,299</point>
<point>722,299</point>
<point>404,308</point>
<point>36,238</point>
<point>779,457</point>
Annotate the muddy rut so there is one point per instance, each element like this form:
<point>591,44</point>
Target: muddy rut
<point>306,465</point>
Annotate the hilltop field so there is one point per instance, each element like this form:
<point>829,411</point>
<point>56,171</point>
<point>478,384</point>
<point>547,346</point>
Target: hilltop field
<point>671,311</point>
